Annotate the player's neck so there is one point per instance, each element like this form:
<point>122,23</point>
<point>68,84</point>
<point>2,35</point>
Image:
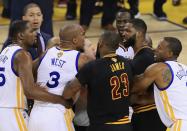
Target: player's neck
<point>108,54</point>
<point>140,46</point>
<point>20,43</point>
<point>172,59</point>
<point>66,46</point>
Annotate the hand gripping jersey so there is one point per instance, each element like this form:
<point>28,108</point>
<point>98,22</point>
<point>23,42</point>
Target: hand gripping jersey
<point>171,101</point>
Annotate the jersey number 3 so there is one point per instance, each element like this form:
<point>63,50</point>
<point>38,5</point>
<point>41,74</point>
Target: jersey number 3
<point>2,76</point>
<point>54,79</point>
<point>118,91</point>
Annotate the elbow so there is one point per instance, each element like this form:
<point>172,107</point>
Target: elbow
<point>28,94</point>
<point>66,95</point>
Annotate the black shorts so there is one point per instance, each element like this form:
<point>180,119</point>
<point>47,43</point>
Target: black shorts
<point>80,128</point>
<point>147,121</point>
<point>107,127</point>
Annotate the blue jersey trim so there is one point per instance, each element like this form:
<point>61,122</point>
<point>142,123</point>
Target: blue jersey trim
<point>77,61</point>
<point>12,62</point>
<point>58,48</point>
<point>162,89</point>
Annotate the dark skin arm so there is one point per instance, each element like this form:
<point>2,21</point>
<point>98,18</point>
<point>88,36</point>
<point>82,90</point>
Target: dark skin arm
<point>72,89</point>
<point>23,66</point>
<point>142,99</point>
<point>35,64</point>
<point>158,73</point>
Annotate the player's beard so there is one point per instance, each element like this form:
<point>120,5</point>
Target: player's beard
<point>130,42</point>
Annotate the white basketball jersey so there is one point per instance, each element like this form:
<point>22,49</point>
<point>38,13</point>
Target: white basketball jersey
<point>56,69</point>
<point>171,101</point>
<point>11,90</point>
<point>125,52</point>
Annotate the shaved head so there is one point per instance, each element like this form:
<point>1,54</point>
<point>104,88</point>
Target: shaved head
<point>68,32</point>
<point>74,35</point>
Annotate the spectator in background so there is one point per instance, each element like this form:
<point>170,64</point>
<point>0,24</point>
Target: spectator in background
<point>108,17</point>
<point>71,12</point>
<point>46,8</point>
<point>6,9</point>
<point>62,3</point>
<point>185,20</point>
<point>176,2</point>
<point>157,9</point>
<point>33,14</point>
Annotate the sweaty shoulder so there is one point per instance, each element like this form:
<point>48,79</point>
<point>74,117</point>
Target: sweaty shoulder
<point>22,54</point>
<point>157,66</point>
<point>22,58</point>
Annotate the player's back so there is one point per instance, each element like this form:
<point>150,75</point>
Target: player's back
<point>171,101</point>
<point>56,69</point>
<point>11,90</point>
<point>109,85</point>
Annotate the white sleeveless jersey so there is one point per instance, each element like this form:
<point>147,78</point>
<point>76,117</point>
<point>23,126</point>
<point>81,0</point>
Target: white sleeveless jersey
<point>125,52</point>
<point>11,90</point>
<point>171,101</point>
<point>56,69</point>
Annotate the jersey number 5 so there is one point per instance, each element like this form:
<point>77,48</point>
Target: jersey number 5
<point>118,91</point>
<point>2,76</point>
<point>54,79</point>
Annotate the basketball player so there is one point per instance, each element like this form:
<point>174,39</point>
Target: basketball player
<point>17,82</point>
<point>108,81</point>
<point>122,18</point>
<point>145,116</point>
<point>170,79</point>
<point>56,68</point>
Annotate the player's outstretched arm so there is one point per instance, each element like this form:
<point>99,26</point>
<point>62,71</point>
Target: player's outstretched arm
<point>142,82</point>
<point>23,66</point>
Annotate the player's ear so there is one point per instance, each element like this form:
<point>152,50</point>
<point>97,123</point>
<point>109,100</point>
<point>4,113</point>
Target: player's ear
<point>75,40</point>
<point>20,36</point>
<point>170,53</point>
<point>24,18</point>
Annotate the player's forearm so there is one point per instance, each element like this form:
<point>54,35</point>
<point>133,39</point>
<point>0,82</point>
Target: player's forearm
<point>40,94</point>
<point>68,93</point>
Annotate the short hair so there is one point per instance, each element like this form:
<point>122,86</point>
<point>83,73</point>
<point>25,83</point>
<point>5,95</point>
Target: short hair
<point>111,39</point>
<point>16,27</point>
<point>139,25</point>
<point>126,11</point>
<point>28,6</point>
<point>174,45</point>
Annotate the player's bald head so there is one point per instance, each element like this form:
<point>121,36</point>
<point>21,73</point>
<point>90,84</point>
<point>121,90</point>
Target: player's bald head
<point>68,32</point>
